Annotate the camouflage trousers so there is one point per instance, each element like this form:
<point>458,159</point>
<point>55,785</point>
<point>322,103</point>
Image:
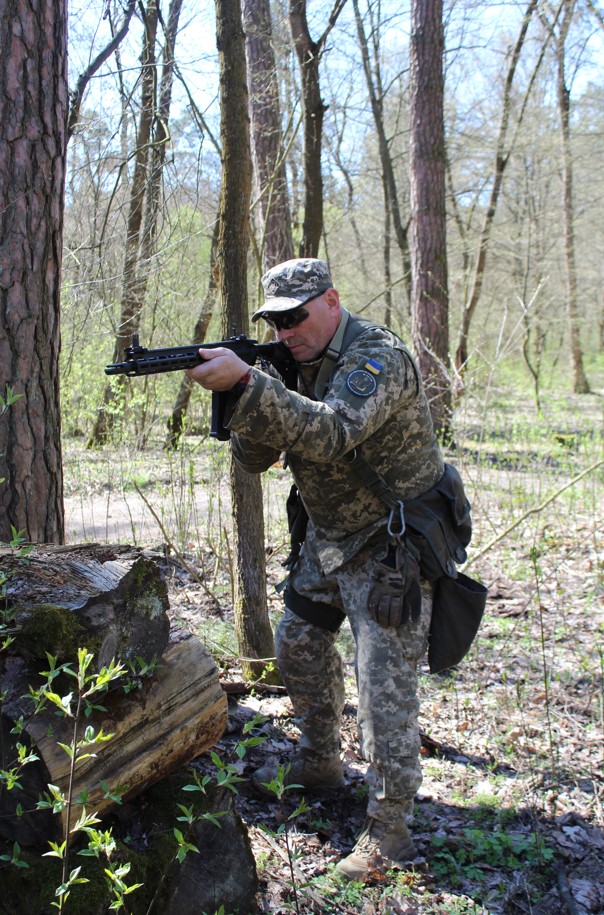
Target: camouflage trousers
<point>385,669</point>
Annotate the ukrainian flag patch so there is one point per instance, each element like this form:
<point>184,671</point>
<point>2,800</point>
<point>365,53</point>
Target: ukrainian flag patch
<point>372,366</point>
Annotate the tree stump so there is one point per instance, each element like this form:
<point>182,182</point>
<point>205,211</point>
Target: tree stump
<point>113,602</point>
<point>178,713</point>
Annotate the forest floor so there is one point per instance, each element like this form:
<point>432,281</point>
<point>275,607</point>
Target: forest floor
<point>509,818</point>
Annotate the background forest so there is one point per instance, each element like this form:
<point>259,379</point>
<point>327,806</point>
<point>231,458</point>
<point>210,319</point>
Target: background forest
<point>521,316</point>
<point>514,739</point>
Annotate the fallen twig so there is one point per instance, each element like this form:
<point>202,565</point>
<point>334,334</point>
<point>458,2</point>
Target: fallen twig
<point>533,511</point>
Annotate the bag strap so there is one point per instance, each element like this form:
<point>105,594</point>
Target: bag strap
<point>331,356</point>
<point>372,479</point>
<point>366,473</point>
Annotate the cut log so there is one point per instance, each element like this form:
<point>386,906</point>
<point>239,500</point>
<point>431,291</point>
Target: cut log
<point>110,599</point>
<point>180,713</point>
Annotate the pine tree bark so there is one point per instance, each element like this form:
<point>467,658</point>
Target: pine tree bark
<point>33,138</point>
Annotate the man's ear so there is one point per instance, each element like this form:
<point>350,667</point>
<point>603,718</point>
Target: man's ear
<point>332,297</point>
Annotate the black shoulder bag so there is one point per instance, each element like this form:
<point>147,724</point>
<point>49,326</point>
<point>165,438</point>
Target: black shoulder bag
<point>438,527</point>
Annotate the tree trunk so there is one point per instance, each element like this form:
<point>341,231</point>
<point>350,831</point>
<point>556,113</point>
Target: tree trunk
<point>270,180</point>
<point>391,196</point>
<point>501,160</point>
<point>177,714</point>
<point>430,301</point>
<point>309,57</point>
<point>157,158</point>
<point>176,422</point>
<point>83,80</point>
<point>308,53</point>
<point>252,624</point>
<point>131,296</point>
<point>338,145</point>
<point>110,599</point>
<point>580,383</point>
<point>33,138</point>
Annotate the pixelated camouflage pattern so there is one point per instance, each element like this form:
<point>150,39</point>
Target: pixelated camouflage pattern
<point>292,283</point>
<point>391,428</point>
<point>385,667</point>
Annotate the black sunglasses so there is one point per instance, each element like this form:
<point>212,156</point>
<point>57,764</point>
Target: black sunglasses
<point>287,320</point>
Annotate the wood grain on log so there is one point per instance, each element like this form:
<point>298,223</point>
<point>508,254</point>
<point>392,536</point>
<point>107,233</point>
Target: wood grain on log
<point>178,714</point>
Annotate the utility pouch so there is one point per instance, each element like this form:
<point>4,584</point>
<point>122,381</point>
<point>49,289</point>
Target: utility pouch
<point>297,522</point>
<point>439,525</point>
<point>395,596</point>
<point>457,610</point>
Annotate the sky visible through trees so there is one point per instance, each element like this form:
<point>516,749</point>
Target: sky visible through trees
<point>526,255</point>
<point>477,33</point>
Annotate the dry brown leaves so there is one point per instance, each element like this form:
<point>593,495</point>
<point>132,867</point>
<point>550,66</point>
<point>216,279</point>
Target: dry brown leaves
<point>509,817</point>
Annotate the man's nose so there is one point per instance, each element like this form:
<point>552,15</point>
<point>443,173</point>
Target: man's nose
<point>286,333</point>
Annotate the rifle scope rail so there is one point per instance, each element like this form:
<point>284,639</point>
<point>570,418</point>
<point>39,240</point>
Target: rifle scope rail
<point>142,361</point>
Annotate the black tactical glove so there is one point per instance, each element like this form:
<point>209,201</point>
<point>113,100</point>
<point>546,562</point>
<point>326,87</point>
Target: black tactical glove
<point>396,595</point>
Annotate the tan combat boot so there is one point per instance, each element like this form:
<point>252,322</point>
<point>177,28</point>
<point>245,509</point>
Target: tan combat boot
<point>379,848</point>
<point>311,772</point>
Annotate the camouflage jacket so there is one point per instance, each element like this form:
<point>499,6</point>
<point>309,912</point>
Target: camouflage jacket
<point>373,401</point>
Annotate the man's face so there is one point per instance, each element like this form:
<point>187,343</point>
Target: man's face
<point>307,340</point>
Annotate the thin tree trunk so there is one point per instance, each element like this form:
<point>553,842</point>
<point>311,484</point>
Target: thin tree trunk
<point>309,57</point>
<point>111,48</point>
<point>176,422</point>
<point>252,624</point>
<point>387,257</point>
<point>430,298</point>
<point>159,146</point>
<point>391,197</point>
<point>580,383</point>
<point>266,136</point>
<point>33,141</point>
<point>501,160</point>
<point>314,110</point>
<point>131,299</point>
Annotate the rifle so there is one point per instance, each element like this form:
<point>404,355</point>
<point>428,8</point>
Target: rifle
<point>142,361</point>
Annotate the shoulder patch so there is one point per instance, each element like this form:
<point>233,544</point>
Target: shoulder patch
<point>361,383</point>
<point>374,367</point>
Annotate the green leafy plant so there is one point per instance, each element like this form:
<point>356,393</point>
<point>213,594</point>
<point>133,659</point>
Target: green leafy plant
<point>468,855</point>
<point>77,705</point>
<point>279,787</point>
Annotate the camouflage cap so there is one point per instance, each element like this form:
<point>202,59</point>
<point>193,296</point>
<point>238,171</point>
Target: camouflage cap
<point>292,283</point>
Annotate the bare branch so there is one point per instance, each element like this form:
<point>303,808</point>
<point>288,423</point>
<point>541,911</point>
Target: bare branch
<point>596,12</point>
<point>77,94</point>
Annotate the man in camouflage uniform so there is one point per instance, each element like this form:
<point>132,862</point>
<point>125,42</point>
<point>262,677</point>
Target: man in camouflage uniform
<point>359,392</point>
